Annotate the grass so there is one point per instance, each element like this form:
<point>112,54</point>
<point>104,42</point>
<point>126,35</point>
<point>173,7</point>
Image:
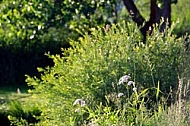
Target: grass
<point>12,89</point>
<point>8,93</point>
<point>11,93</point>
<point>16,105</point>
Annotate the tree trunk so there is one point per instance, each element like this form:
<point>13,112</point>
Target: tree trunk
<point>134,12</point>
<point>156,15</point>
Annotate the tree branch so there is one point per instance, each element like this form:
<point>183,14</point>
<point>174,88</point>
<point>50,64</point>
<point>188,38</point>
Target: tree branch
<point>134,12</point>
<point>155,15</point>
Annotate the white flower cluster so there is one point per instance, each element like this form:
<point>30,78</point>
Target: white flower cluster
<point>124,79</point>
<point>120,95</point>
<point>81,102</point>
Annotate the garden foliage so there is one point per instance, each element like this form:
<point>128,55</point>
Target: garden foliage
<point>29,28</point>
<point>20,115</point>
<point>91,69</point>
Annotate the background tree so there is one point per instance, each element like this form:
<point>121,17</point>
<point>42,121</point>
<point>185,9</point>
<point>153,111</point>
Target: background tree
<point>31,28</point>
<point>158,9</point>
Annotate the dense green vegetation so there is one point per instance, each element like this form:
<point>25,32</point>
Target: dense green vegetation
<point>91,70</point>
<point>91,75</point>
<point>31,28</point>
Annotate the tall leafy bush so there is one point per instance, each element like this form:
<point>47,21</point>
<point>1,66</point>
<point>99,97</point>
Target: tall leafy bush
<point>89,69</point>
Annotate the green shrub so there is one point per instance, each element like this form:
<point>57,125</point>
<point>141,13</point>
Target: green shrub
<point>181,9</point>
<point>96,62</point>
<point>19,115</point>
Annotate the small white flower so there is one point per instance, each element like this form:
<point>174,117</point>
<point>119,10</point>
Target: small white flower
<point>113,85</point>
<point>76,102</point>
<point>130,83</point>
<point>32,36</point>
<point>39,27</point>
<point>77,110</point>
<point>83,103</point>
<point>134,89</point>
<point>124,79</point>
<point>91,124</point>
<point>120,95</point>
<point>80,102</point>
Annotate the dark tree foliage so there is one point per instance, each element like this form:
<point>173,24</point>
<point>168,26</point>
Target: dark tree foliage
<point>31,28</point>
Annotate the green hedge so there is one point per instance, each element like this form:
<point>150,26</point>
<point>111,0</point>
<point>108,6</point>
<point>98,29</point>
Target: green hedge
<point>95,62</point>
